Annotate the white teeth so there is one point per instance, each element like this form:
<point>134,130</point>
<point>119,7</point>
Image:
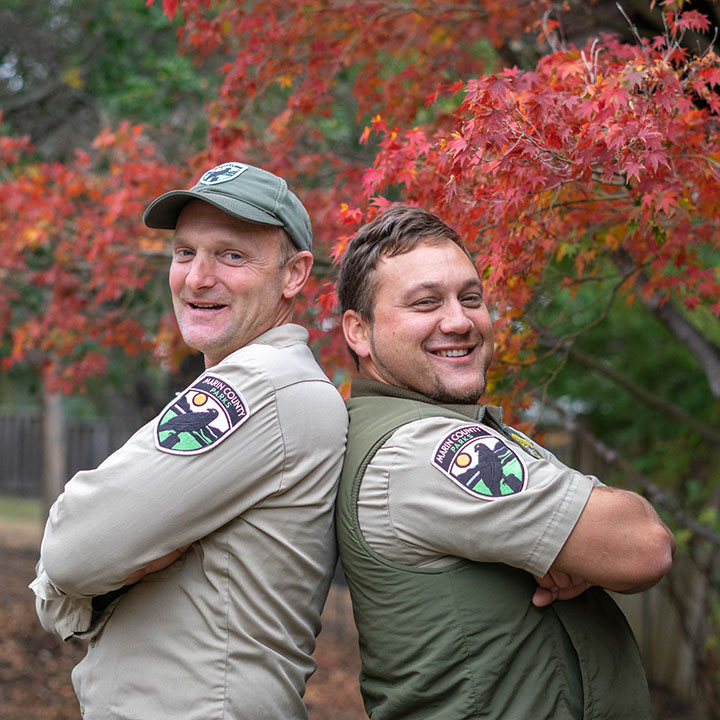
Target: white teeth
<point>205,307</point>
<point>453,353</point>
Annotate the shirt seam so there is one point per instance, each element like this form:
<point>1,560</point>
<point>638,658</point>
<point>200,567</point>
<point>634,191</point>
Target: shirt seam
<point>387,501</point>
<point>227,625</point>
<point>281,484</point>
<point>360,534</point>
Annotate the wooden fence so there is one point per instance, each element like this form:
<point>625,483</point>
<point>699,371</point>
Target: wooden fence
<point>21,450</point>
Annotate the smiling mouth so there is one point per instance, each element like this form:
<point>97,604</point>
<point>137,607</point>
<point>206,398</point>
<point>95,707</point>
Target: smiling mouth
<point>206,306</point>
<point>460,352</point>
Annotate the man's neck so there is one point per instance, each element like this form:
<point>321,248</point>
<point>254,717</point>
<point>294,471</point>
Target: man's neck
<point>363,387</point>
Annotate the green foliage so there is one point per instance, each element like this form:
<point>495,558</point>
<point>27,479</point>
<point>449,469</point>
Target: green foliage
<point>119,58</point>
<point>634,345</point>
<point>137,71</point>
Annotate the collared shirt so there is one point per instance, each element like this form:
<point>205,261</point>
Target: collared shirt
<point>228,630</point>
<point>411,511</point>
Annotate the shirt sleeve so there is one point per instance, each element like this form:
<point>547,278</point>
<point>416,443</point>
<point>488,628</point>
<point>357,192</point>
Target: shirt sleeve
<point>64,615</point>
<point>57,612</point>
<point>145,500</point>
<point>415,507</point>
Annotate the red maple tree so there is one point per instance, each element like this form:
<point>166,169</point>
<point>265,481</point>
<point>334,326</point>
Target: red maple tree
<point>598,164</point>
<point>602,154</point>
<point>73,262</point>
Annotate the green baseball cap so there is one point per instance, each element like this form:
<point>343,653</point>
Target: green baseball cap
<point>243,191</point>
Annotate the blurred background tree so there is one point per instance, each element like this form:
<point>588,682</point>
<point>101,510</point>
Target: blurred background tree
<point>575,147</point>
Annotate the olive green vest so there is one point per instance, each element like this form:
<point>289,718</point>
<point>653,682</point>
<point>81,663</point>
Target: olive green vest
<point>465,641</point>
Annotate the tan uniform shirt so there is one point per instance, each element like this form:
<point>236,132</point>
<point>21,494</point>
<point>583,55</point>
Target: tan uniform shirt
<point>411,512</point>
<point>227,631</point>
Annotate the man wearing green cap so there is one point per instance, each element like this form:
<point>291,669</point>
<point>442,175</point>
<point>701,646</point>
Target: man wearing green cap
<point>197,558</point>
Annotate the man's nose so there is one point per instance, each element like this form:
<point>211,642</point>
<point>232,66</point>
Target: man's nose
<point>455,319</point>
<point>201,273</point>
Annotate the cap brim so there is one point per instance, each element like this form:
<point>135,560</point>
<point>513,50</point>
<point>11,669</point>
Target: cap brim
<point>164,211</point>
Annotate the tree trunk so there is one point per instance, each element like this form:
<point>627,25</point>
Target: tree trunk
<point>54,448</point>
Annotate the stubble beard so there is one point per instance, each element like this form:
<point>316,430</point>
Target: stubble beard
<point>470,396</point>
<point>438,392</point>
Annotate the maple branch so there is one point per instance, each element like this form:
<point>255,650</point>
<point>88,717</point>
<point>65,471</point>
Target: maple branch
<point>553,347</point>
<point>592,69</point>
<point>613,459</point>
<point>405,9</point>
<point>632,26</point>
<point>566,340</point>
<point>542,151</point>
<point>581,201</point>
<point>570,338</point>
<point>714,165</point>
<point>550,35</point>
<point>564,203</point>
<point>710,46</point>
<point>704,350</point>
<point>598,178</point>
<point>705,431</point>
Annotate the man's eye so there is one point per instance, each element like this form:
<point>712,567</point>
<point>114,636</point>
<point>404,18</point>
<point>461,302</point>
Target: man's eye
<point>472,300</point>
<point>182,253</point>
<point>425,303</point>
<point>234,257</point>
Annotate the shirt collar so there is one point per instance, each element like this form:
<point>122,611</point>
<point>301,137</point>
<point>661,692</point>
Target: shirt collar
<point>278,337</point>
<point>368,388</point>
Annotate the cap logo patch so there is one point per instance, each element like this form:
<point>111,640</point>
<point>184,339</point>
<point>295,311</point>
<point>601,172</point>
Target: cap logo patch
<point>201,417</point>
<point>480,463</point>
<point>222,173</point>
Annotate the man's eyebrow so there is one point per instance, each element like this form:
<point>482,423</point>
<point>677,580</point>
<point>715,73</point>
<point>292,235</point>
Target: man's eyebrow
<point>429,286</point>
<point>179,239</point>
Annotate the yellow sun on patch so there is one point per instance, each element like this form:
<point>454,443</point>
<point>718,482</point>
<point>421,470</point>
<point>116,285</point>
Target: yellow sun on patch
<point>199,399</point>
<point>463,460</point>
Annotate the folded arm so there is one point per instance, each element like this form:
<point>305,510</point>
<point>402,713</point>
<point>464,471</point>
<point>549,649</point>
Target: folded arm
<point>142,504</point>
<point>618,543</point>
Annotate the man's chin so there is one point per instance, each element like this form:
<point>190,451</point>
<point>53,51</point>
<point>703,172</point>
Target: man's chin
<point>456,399</point>
<point>457,396</point>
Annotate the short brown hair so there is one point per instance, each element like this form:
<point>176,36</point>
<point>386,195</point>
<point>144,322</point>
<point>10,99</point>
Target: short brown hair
<point>395,231</point>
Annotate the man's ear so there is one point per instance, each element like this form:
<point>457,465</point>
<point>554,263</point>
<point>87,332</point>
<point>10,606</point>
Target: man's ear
<point>357,333</point>
<point>297,271</point>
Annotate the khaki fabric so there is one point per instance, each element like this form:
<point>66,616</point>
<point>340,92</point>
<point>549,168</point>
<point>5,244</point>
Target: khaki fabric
<point>228,630</point>
<point>411,513</point>
<point>462,640</point>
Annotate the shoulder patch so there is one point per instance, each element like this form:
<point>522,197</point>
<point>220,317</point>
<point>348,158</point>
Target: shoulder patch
<point>201,417</point>
<point>527,445</point>
<point>480,463</point>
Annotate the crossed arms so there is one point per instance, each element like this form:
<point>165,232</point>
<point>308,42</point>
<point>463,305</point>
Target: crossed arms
<point>619,543</point>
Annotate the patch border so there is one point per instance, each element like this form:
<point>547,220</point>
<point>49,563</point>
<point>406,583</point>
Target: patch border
<point>239,167</point>
<point>485,430</point>
<point>212,445</point>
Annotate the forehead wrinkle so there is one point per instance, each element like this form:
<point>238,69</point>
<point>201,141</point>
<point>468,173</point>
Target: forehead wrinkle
<point>218,240</point>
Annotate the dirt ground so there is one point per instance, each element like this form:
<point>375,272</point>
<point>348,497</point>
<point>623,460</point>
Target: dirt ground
<point>35,666</point>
